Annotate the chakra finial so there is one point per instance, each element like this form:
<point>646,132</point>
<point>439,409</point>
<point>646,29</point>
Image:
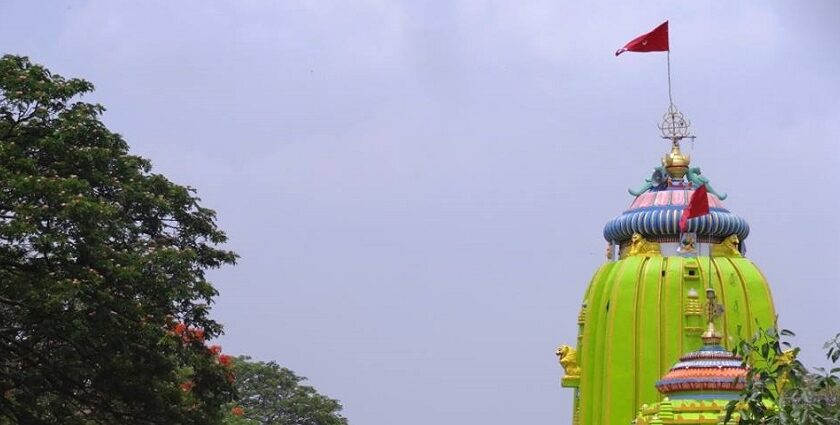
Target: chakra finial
<point>674,127</point>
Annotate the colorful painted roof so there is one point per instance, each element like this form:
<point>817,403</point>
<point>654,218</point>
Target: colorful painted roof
<point>710,373</point>
<point>656,216</point>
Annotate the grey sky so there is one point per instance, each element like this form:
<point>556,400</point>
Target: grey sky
<point>418,189</point>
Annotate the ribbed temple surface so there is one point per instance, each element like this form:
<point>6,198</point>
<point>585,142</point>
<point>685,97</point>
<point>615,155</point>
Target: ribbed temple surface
<point>656,216</point>
<point>642,314</point>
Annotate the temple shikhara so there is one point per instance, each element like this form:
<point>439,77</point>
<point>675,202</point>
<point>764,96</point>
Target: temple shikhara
<point>661,316</point>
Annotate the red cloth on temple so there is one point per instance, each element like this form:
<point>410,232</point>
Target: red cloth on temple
<point>697,206</point>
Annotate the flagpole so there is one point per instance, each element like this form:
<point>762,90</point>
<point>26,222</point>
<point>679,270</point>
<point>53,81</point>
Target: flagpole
<point>670,98</point>
<point>710,260</point>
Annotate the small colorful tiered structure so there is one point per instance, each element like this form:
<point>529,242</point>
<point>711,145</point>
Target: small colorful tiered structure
<point>710,372</point>
<point>699,387</point>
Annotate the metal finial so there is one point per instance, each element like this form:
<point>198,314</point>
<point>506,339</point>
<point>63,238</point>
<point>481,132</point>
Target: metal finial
<point>714,309</point>
<point>711,336</point>
<point>674,125</point>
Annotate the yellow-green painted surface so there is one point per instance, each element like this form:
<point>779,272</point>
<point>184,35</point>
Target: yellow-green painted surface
<point>640,319</point>
<point>685,412</point>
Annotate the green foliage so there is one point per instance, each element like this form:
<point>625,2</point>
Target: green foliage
<point>273,395</point>
<point>780,389</point>
<point>99,258</point>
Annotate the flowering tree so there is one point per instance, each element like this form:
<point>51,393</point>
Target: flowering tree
<point>104,311</point>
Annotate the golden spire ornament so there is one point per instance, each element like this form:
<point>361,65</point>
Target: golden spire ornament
<point>675,127</point>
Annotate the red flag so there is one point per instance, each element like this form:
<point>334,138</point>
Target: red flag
<point>654,41</point>
<point>697,206</point>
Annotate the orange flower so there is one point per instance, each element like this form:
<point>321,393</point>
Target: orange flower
<point>187,386</point>
<point>198,335</point>
<point>215,349</point>
<point>225,360</point>
<point>237,411</point>
<point>179,329</point>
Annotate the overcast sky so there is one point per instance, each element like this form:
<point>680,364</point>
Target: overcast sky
<point>418,189</point>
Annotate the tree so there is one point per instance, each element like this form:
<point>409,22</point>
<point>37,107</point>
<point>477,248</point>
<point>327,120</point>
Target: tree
<point>273,395</point>
<point>101,260</point>
<point>780,389</point>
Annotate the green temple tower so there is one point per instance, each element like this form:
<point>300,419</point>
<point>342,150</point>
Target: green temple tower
<point>647,305</point>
